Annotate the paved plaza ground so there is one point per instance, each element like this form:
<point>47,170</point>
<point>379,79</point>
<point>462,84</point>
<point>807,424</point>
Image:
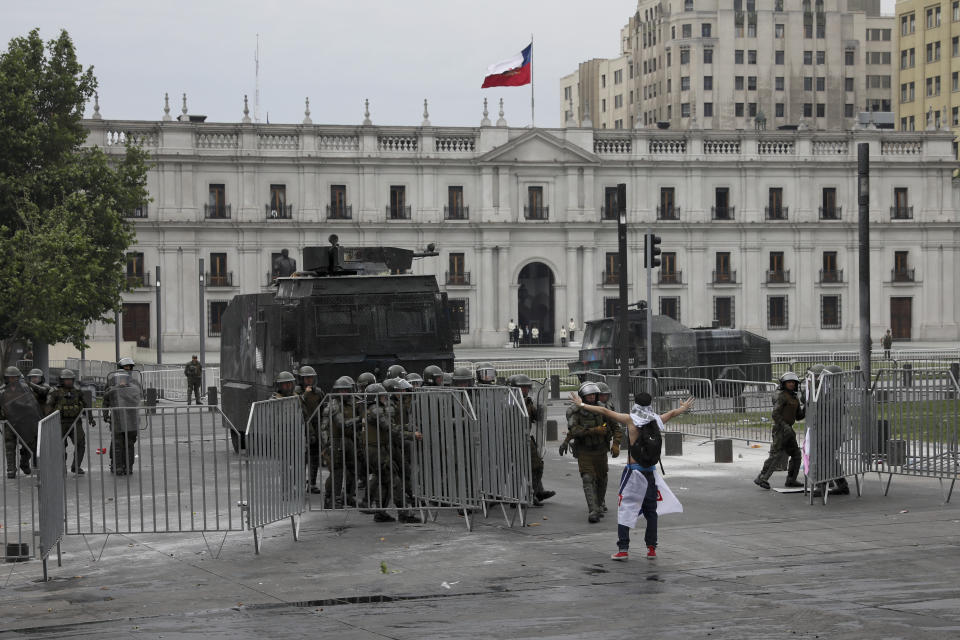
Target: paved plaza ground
<point>740,562</point>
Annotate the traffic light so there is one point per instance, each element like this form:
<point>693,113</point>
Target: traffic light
<point>651,254</point>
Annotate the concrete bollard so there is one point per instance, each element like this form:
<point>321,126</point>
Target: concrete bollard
<point>896,453</point>
<point>672,443</point>
<point>212,397</point>
<point>723,450</point>
<point>554,387</point>
<point>907,374</point>
<point>17,552</point>
<point>151,400</point>
<point>551,430</point>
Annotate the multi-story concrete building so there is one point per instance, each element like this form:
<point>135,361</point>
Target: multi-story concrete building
<point>718,65</point>
<point>759,228</point>
<point>928,64</point>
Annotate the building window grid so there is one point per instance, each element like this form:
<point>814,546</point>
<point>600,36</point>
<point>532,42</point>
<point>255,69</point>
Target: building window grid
<point>215,312</point>
<point>670,306</point>
<point>830,312</point>
<point>459,314</point>
<point>777,312</point>
<point>719,302</point>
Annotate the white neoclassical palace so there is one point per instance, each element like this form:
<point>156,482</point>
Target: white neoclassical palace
<point>759,228</point>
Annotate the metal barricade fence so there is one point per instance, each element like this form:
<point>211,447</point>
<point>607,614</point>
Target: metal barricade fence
<point>840,418</point>
<point>51,485</point>
<point>276,462</point>
<point>917,426</point>
<point>152,470</point>
<point>18,512</point>
<point>434,449</point>
<point>504,456</point>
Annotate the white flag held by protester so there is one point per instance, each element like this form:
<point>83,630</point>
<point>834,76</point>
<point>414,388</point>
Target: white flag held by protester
<point>632,491</point>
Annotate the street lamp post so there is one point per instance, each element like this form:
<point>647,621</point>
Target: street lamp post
<point>159,327</point>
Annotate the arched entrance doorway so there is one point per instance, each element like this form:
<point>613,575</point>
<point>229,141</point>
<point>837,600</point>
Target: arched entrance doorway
<point>535,304</point>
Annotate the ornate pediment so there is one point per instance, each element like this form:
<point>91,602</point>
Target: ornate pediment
<point>539,147</point>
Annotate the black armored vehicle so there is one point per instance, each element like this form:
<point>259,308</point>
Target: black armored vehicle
<point>678,351</point>
<point>348,311</point>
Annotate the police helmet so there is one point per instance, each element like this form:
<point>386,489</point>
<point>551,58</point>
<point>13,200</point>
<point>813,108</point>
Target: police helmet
<point>343,383</point>
<point>414,379</point>
<point>285,376</point>
<point>35,373</point>
<point>816,369</point>
<point>833,368</point>
<point>604,388</point>
<point>402,384</point>
<point>512,380</point>
<point>306,371</point>
<point>430,375</point>
<point>67,374</point>
<point>390,384</point>
<point>521,380</point>
<point>396,371</point>
<point>461,374</point>
<point>365,379</point>
<point>486,373</point>
<point>789,376</point>
<point>11,372</point>
<point>447,379</point>
<point>126,362</point>
<point>588,389</point>
<point>376,387</point>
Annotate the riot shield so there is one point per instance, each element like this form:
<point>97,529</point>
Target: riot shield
<point>539,427</point>
<point>22,411</point>
<point>124,398</point>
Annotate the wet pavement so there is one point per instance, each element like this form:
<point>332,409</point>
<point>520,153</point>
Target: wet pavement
<point>740,562</point>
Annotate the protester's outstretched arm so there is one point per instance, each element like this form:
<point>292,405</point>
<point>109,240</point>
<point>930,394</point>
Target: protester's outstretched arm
<point>683,408</point>
<point>613,415</point>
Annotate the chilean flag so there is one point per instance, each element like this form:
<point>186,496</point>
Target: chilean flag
<point>514,72</point>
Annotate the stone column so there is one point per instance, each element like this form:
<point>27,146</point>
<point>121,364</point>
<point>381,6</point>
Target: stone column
<point>486,285</point>
<point>589,287</point>
<point>505,305</point>
<point>571,277</point>
<point>560,315</point>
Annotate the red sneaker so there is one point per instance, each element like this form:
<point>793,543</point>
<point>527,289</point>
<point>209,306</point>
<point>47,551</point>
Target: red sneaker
<point>620,555</point>
<point>651,552</point>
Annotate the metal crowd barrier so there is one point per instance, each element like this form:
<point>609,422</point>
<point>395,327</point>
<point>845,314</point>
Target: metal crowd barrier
<point>171,384</point>
<point>51,485</point>
<point>276,459</point>
<point>918,421</point>
<point>19,517</point>
<point>425,451</point>
<point>180,474</point>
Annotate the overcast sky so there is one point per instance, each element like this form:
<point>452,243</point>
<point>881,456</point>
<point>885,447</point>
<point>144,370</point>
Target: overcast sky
<point>337,52</point>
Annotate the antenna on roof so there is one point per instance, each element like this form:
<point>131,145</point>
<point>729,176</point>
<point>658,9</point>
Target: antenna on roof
<point>256,94</point>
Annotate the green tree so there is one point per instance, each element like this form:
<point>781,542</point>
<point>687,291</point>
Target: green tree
<point>63,236</point>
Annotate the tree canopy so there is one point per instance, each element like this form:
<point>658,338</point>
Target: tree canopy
<point>63,235</point>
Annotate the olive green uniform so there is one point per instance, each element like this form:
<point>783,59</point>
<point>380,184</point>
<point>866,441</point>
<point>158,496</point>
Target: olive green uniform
<point>536,460</point>
<point>614,436</point>
<point>786,411</point>
<point>194,373</point>
<point>342,420</point>
<point>591,434</point>
<point>70,403</point>
<point>383,438</point>
<point>310,401</point>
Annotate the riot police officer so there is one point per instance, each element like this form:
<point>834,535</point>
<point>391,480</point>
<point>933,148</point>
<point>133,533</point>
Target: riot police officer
<point>382,434</point>
<point>415,380</point>
<point>461,377</point>
<point>614,437</point>
<point>396,371</point>
<point>786,411</point>
<point>524,383</point>
<point>433,376</point>
<point>310,398</point>
<point>18,407</point>
<point>591,433</point>
<point>39,386</point>
<point>126,363</point>
<point>486,374</point>
<point>68,400</point>
<point>122,399</point>
<point>284,385</point>
<point>342,423</point>
<point>365,379</point>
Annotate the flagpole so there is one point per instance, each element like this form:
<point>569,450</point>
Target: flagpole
<point>532,120</point>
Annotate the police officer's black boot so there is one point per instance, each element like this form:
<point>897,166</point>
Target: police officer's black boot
<point>590,493</point>
<point>792,470</point>
<point>11,466</point>
<point>24,462</point>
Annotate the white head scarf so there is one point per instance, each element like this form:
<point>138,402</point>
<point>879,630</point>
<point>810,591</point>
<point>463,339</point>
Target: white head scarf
<point>643,415</point>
